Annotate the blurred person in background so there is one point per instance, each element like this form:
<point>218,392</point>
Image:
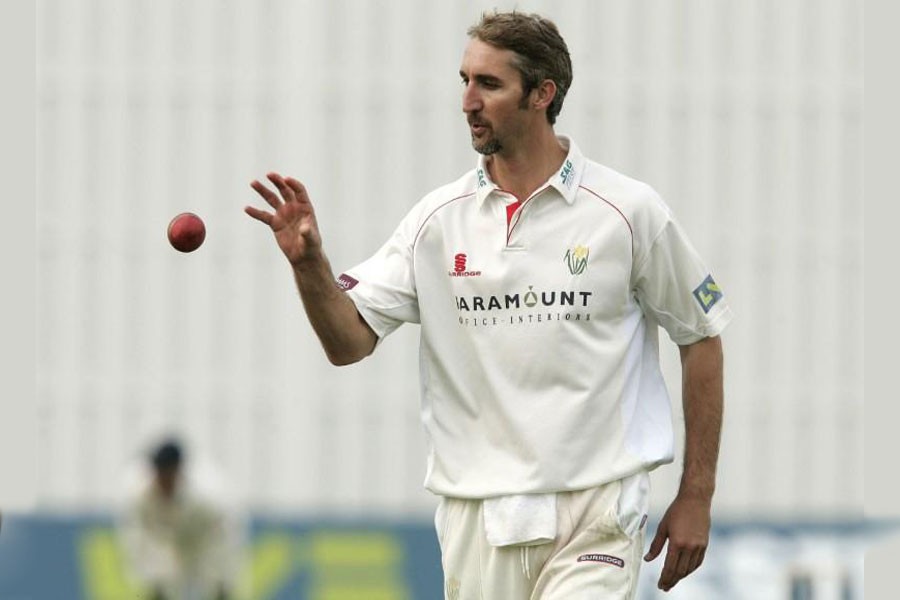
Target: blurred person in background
<point>540,279</point>
<point>181,539</point>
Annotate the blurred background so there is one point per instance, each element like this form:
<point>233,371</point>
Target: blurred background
<point>745,116</point>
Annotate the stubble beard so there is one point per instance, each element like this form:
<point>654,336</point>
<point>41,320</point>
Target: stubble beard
<point>490,146</point>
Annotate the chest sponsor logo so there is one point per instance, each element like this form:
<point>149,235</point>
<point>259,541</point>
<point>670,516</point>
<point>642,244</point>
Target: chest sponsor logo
<point>708,293</point>
<point>602,558</point>
<point>345,282</point>
<point>460,267</point>
<point>577,259</point>
<point>524,307</point>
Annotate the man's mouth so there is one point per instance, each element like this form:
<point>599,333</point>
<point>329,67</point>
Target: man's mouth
<point>477,127</point>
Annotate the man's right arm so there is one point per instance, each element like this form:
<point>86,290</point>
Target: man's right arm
<point>345,336</point>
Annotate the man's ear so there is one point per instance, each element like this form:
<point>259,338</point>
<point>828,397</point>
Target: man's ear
<point>543,94</point>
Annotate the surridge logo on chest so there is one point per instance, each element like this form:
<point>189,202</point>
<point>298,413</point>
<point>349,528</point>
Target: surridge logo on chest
<point>460,267</point>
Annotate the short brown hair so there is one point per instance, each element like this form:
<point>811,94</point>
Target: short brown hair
<point>541,52</point>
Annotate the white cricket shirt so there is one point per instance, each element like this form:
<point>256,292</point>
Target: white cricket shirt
<point>539,350</point>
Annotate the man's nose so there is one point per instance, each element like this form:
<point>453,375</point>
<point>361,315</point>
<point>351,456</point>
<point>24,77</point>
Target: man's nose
<point>471,101</point>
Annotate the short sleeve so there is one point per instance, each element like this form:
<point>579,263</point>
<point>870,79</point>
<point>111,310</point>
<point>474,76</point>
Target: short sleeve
<point>675,287</point>
<point>383,287</point>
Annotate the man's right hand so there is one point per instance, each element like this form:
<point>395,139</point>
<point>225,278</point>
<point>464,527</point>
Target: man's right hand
<point>346,337</point>
<point>294,221</point>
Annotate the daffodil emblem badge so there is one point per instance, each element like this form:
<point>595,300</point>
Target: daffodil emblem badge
<point>577,259</point>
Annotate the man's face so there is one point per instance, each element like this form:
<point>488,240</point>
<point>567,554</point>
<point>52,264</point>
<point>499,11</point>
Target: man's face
<point>492,98</point>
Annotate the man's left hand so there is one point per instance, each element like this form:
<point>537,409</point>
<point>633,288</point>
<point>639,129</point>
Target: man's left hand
<point>686,525</point>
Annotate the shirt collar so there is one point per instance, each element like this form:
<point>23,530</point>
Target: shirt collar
<point>565,180</point>
<point>484,182</point>
<point>568,178</point>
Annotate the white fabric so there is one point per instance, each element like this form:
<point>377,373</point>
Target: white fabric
<point>633,503</point>
<point>539,347</point>
<point>520,520</point>
<point>531,519</point>
<point>590,557</point>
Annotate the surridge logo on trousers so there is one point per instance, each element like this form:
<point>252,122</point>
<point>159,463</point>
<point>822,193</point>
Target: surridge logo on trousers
<point>602,558</point>
<point>460,268</point>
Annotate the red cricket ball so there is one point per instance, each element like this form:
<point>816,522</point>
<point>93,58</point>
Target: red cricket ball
<point>186,232</point>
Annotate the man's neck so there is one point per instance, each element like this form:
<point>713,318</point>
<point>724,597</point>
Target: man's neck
<point>526,168</point>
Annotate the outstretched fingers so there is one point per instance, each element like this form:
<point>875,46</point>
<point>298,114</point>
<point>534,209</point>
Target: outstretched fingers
<point>298,188</point>
<point>290,203</point>
<point>259,215</point>
<point>283,188</point>
<point>268,195</point>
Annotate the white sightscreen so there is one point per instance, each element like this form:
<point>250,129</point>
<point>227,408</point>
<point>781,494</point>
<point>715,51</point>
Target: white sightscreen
<point>746,116</point>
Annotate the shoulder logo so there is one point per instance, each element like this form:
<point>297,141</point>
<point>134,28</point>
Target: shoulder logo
<point>460,267</point>
<point>577,259</point>
<point>708,293</point>
<point>345,282</point>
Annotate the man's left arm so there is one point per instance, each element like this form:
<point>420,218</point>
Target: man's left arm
<point>686,523</point>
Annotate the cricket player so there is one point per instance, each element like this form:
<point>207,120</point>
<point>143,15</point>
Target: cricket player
<point>180,540</point>
<point>540,279</point>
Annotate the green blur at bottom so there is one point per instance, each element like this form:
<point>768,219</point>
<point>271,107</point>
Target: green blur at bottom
<point>329,565</point>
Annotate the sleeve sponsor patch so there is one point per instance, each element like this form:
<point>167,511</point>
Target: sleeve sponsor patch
<point>345,282</point>
<point>707,294</point>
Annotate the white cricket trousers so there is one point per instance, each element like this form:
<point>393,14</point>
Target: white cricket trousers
<point>596,555</point>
